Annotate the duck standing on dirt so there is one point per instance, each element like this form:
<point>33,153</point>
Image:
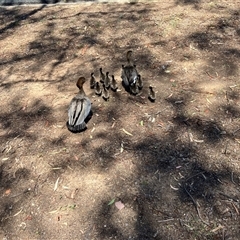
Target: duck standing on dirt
<point>79,109</point>
<point>102,75</point>
<point>107,80</point>
<point>151,94</point>
<point>105,93</point>
<point>114,85</point>
<point>92,81</point>
<point>98,90</point>
<point>129,72</point>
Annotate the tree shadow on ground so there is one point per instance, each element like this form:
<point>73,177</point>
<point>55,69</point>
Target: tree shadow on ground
<point>161,162</point>
<point>16,18</point>
<point>177,184</point>
<point>196,4</point>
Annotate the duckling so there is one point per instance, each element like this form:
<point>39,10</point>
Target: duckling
<point>92,81</point>
<point>139,82</point>
<point>134,89</point>
<point>79,109</point>
<point>98,90</point>
<point>129,73</point>
<point>107,81</point>
<point>151,94</point>
<point>102,76</point>
<point>105,93</point>
<point>114,85</point>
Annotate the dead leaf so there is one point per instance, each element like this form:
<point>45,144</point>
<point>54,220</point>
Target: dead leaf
<point>174,188</point>
<point>56,185</point>
<point>7,192</point>
<point>17,213</point>
<point>73,193</point>
<point>119,205</point>
<point>84,49</point>
<point>217,228</point>
<point>29,217</point>
<point>112,201</point>
<point>54,211</point>
<point>128,133</point>
<point>121,149</point>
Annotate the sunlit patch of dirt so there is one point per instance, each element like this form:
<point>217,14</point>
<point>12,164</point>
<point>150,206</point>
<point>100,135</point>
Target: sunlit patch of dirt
<point>172,165</point>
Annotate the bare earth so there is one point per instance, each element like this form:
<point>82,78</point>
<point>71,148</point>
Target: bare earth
<point>173,164</point>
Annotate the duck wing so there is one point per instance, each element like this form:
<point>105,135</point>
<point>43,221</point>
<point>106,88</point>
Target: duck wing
<point>78,111</point>
<point>129,75</point>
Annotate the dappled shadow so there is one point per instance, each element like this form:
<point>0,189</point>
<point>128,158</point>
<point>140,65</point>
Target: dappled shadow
<point>15,18</point>
<point>168,162</point>
<point>195,3</point>
<point>171,180</point>
<point>18,121</point>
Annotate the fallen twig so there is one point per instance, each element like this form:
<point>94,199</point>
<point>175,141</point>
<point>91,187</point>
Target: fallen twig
<point>25,191</point>
<point>217,228</point>
<point>232,178</point>
<point>128,133</point>
<point>232,198</point>
<point>56,185</point>
<point>167,220</point>
<point>196,206</point>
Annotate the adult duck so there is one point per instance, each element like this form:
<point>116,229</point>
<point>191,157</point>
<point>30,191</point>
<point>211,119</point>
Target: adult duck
<point>79,109</point>
<point>129,72</point>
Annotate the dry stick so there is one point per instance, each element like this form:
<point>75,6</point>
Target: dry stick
<point>195,175</point>
<point>196,206</point>
<point>167,220</point>
<point>232,178</point>
<point>25,191</point>
<point>227,97</point>
<point>232,198</point>
<point>225,150</point>
<point>236,131</point>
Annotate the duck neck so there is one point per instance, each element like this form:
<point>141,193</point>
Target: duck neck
<point>81,91</point>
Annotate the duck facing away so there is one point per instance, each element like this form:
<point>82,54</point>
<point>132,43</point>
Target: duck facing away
<point>105,93</point>
<point>102,75</point>
<point>114,85</point>
<point>151,94</point>
<point>92,81</point>
<point>129,72</point>
<point>79,109</point>
<point>98,90</point>
<point>107,81</point>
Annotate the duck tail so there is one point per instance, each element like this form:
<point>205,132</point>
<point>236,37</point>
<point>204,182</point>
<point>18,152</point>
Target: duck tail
<point>76,128</point>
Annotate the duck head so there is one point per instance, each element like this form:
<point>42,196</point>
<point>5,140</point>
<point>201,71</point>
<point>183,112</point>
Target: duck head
<point>80,82</point>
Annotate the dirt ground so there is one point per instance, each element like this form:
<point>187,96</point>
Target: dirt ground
<point>142,170</point>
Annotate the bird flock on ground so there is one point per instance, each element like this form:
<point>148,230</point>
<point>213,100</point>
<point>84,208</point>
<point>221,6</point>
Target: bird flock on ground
<point>79,110</point>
